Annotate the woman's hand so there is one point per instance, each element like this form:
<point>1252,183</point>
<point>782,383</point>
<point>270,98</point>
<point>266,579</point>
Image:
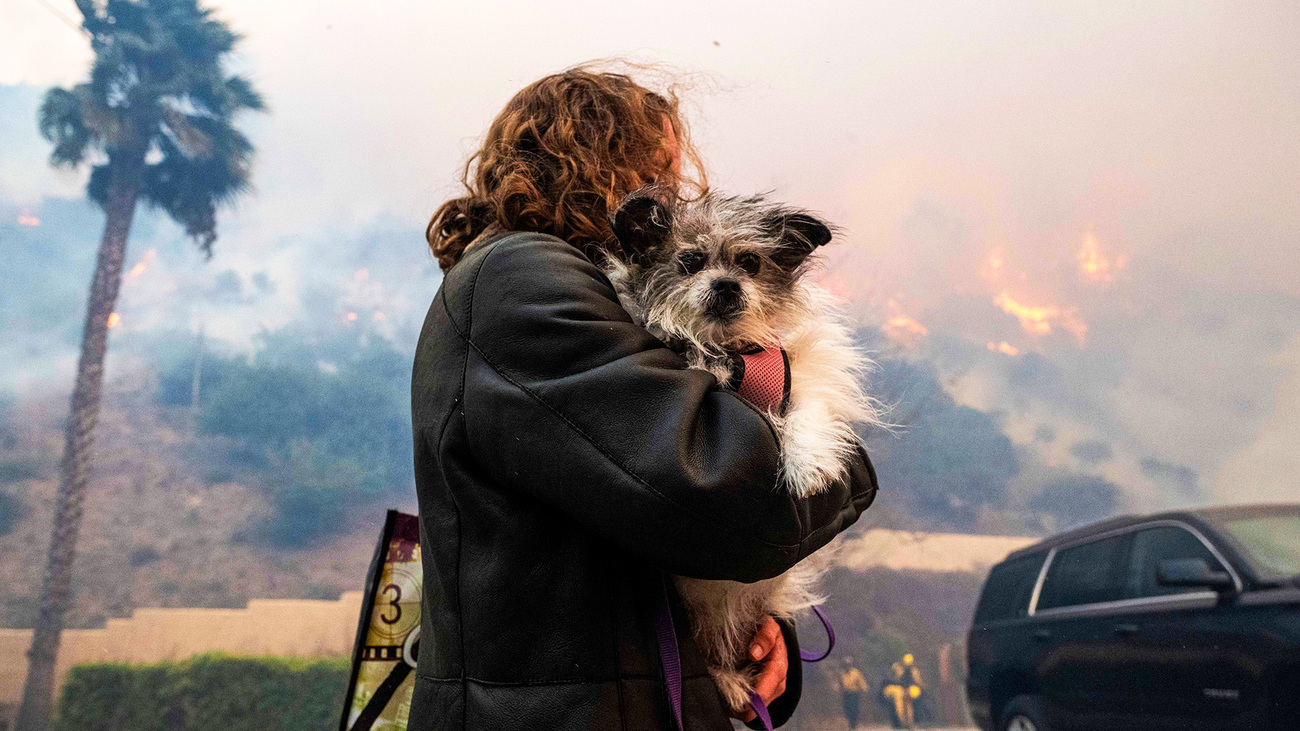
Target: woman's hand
<point>768,650</point>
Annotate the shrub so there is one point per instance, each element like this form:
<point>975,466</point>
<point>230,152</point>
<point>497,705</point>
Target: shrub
<point>19,470</point>
<point>11,512</point>
<point>205,693</point>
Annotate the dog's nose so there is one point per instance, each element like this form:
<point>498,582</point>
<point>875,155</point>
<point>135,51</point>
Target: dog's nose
<point>726,286</point>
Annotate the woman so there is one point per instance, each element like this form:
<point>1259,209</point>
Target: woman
<point>566,460</point>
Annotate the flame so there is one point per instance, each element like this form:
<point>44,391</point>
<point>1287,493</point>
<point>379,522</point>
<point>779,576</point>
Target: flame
<point>902,328</point>
<point>143,264</point>
<point>903,323</point>
<point>114,320</point>
<point>352,317</point>
<point>1094,263</point>
<point>1038,319</point>
<point>1004,347</point>
<point>26,219</point>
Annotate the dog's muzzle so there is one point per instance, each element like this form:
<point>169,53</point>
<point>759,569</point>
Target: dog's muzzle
<point>725,300</point>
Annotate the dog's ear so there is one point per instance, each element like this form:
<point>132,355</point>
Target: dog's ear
<point>641,224</point>
<point>799,234</point>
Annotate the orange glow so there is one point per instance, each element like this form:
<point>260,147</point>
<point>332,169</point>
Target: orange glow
<point>902,328</point>
<point>1004,347</point>
<point>1094,263</point>
<point>1037,320</point>
<point>114,320</point>
<point>905,323</point>
<point>352,317</point>
<point>991,268</point>
<point>25,219</point>
<point>143,264</point>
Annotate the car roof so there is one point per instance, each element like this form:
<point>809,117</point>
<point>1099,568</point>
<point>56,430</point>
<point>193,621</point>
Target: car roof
<point>1199,517</point>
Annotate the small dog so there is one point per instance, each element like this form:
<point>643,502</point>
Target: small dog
<point>716,277</point>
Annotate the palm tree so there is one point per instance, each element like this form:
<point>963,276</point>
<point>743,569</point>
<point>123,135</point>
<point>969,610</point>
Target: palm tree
<point>155,122</point>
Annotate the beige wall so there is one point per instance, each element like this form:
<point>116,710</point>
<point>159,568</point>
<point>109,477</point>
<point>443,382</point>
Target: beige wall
<point>321,628</point>
<point>303,628</point>
<point>915,551</point>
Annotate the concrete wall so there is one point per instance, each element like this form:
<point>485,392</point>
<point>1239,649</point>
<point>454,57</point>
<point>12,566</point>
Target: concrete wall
<point>304,628</point>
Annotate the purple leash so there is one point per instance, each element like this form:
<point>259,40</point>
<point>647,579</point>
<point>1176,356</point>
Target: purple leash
<point>672,661</point>
<point>668,654</point>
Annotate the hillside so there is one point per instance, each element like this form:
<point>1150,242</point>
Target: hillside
<point>166,523</point>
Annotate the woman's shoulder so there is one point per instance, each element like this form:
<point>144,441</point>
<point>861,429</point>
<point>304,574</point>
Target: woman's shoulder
<point>517,246</point>
<point>510,270</point>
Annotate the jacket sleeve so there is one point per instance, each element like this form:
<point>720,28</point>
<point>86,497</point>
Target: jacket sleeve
<point>566,398</point>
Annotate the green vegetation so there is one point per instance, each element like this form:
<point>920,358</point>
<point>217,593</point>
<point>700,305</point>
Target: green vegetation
<point>325,426</point>
<point>11,511</point>
<point>946,461</point>
<point>20,469</point>
<point>205,693</point>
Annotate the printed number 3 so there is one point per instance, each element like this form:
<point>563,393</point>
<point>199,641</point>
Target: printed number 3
<point>397,609</point>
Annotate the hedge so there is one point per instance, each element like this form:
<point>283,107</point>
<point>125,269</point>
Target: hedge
<point>205,693</point>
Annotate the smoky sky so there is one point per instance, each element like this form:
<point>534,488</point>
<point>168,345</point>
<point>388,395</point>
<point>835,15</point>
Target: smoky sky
<point>1089,216</point>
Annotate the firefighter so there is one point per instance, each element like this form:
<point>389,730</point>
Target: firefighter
<point>903,688</point>
<point>852,687</point>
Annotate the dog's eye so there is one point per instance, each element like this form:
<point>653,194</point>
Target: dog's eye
<point>692,262</point>
<point>749,263</point>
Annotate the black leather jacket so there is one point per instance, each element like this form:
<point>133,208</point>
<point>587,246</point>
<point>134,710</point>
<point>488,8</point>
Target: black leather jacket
<point>565,459</point>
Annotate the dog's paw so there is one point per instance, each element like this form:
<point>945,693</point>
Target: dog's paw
<point>734,685</point>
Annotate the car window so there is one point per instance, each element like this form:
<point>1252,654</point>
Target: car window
<point>1271,544</point>
<point>1153,545</point>
<point>1008,589</point>
<point>1086,574</point>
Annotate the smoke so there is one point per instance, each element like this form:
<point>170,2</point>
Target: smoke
<point>1266,468</point>
<point>1079,221</point>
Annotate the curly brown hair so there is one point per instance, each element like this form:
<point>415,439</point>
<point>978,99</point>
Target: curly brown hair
<point>561,156</point>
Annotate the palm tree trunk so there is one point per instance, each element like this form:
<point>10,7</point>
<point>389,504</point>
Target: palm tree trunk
<point>38,693</point>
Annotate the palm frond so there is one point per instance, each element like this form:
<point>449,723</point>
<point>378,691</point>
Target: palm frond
<point>190,188</point>
<point>62,122</point>
<point>158,84</point>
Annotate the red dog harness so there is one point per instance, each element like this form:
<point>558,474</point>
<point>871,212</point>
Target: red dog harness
<point>761,376</point>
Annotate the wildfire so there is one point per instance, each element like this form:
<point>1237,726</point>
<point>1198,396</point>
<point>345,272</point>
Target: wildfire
<point>114,320</point>
<point>26,219</point>
<point>903,323</point>
<point>902,328</point>
<point>1038,319</point>
<point>1004,347</point>
<point>1094,263</point>
<point>352,317</point>
<point>143,264</point>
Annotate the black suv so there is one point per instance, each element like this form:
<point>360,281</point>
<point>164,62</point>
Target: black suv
<point>1182,620</point>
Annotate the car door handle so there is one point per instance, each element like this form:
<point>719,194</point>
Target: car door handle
<point>1042,634</point>
<point>1125,630</point>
